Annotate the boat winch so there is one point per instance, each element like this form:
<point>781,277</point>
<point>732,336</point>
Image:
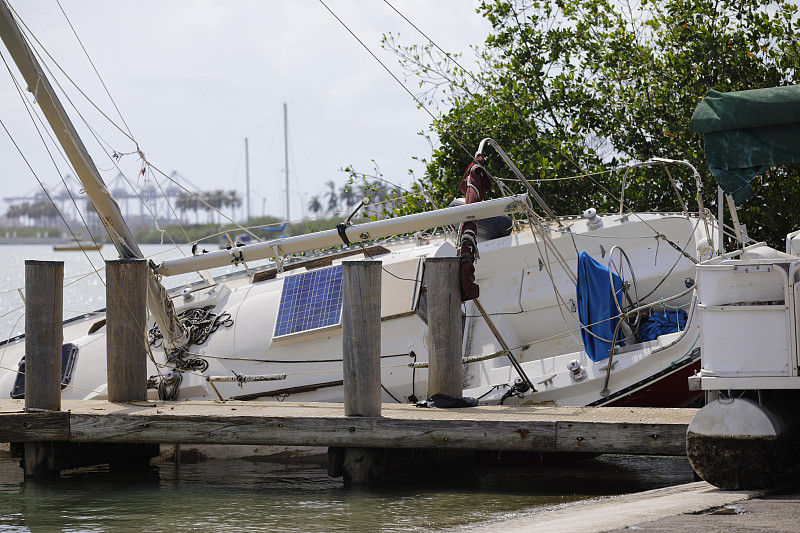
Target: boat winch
<point>592,220</point>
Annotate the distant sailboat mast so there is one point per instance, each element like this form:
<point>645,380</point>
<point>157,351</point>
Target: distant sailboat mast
<point>286,158</point>
<point>247,177</point>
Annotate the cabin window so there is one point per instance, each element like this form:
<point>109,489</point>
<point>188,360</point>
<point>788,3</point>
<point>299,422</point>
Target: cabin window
<point>310,301</point>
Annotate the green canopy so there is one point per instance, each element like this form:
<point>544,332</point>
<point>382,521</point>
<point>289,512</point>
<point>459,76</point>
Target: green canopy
<point>745,132</point>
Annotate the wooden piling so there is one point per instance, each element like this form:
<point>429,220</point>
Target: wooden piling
<point>361,337</point>
<point>361,350</point>
<point>445,372</point>
<point>126,353</point>
<point>44,307</point>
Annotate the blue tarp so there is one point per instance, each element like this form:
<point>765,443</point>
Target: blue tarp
<point>596,306</point>
<point>658,324</point>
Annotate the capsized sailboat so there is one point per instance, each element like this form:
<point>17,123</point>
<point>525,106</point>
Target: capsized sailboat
<point>271,329</point>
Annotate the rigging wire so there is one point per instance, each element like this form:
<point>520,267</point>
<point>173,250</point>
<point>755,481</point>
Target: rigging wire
<point>101,142</point>
<point>194,195</point>
<point>413,96</point>
<point>116,154</point>
<point>508,105</point>
<point>34,115</point>
<point>95,69</point>
<point>52,159</point>
<point>33,36</point>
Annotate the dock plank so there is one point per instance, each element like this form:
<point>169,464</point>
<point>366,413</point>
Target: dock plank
<point>46,426</point>
<point>521,428</point>
<point>646,439</point>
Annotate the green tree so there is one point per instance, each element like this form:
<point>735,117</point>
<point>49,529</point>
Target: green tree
<point>187,201</point>
<point>347,195</point>
<point>332,196</point>
<point>571,87</point>
<point>213,202</point>
<point>17,212</point>
<point>233,200</point>
<point>314,205</point>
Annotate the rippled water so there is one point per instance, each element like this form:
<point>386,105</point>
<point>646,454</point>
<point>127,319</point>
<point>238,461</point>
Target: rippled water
<point>242,495</point>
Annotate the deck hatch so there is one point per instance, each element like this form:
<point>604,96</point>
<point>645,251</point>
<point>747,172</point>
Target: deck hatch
<point>309,301</point>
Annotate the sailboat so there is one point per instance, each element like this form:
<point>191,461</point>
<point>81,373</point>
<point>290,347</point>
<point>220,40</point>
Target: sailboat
<point>271,329</point>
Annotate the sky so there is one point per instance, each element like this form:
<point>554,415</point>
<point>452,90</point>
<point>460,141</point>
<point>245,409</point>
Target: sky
<point>193,79</point>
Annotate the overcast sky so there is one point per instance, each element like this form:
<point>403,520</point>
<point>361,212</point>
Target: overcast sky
<point>193,79</point>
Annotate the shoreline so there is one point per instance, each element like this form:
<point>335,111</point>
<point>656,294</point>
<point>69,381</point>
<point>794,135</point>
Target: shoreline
<point>692,506</point>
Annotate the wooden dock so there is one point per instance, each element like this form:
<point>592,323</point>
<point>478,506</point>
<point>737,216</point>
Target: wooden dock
<point>615,430</point>
<point>57,434</point>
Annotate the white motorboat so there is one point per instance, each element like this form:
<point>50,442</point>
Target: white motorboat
<point>745,437</point>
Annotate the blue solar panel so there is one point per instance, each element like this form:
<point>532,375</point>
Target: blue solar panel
<point>310,300</point>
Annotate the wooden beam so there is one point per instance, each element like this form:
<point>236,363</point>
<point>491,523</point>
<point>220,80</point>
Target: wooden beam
<point>45,426</point>
<point>369,432</point>
<point>645,439</point>
<point>536,429</point>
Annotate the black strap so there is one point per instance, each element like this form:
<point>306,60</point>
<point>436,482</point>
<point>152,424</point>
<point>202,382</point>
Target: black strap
<point>340,228</point>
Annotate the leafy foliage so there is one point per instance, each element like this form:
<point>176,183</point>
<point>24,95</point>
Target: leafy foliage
<point>573,87</point>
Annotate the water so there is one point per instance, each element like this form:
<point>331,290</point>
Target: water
<point>242,495</point>
<point>84,290</point>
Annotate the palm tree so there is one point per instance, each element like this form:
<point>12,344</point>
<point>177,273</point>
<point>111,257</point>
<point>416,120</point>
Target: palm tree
<point>43,213</point>
<point>185,202</point>
<point>347,195</point>
<point>233,200</point>
<point>333,197</point>
<point>18,212</point>
<point>315,206</point>
<point>214,200</point>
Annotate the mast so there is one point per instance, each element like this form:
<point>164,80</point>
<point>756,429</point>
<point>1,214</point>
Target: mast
<point>107,208</point>
<point>286,158</point>
<point>247,178</point>
<point>377,229</point>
